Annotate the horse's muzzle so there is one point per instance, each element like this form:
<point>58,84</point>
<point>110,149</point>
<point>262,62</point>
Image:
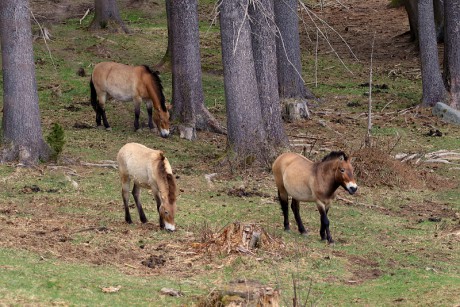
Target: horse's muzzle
<point>164,133</point>
<point>351,187</point>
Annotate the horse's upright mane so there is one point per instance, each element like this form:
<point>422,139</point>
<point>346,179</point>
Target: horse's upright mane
<point>168,178</point>
<point>335,155</point>
<point>157,79</point>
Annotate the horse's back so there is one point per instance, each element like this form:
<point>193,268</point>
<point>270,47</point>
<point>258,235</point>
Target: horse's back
<point>119,80</point>
<point>292,173</point>
<point>136,161</point>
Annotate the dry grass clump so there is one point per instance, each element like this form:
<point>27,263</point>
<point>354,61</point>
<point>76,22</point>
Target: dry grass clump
<point>374,168</point>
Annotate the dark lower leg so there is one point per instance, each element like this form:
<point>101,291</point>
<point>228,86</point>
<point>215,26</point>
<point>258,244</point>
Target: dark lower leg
<point>296,209</point>
<point>137,112</point>
<point>125,196</point>
<point>98,117</point>
<point>136,193</point>
<point>324,231</point>
<point>150,113</point>
<point>104,118</point>
<point>285,209</point>
<point>158,201</point>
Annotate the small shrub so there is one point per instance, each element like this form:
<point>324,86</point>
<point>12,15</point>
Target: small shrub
<point>56,140</point>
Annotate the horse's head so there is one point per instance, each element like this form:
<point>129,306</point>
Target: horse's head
<point>167,187</point>
<point>344,174</point>
<point>161,119</point>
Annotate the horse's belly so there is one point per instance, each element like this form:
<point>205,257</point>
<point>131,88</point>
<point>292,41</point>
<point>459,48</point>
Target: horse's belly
<point>301,193</point>
<point>121,95</point>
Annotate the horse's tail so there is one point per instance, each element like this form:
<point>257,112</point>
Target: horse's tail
<point>94,102</point>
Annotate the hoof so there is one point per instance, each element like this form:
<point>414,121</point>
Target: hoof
<point>108,129</point>
<point>304,233</point>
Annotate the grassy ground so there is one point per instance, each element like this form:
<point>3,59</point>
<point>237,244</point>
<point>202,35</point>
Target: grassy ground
<point>63,238</point>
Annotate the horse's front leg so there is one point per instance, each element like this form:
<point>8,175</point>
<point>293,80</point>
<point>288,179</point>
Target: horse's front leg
<point>136,193</point>
<point>324,230</point>
<point>125,196</point>
<point>137,112</point>
<point>283,198</point>
<point>296,209</point>
<point>162,223</point>
<point>149,106</point>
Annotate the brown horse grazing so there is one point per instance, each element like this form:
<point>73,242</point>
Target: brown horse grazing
<point>148,168</point>
<point>125,83</point>
<point>306,180</point>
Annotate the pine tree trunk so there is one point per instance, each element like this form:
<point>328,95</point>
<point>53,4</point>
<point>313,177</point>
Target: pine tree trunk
<point>246,134</point>
<point>292,90</point>
<point>165,63</point>
<point>264,50</point>
<point>452,50</point>
<point>432,83</point>
<point>22,133</point>
<point>107,16</point>
<point>188,98</point>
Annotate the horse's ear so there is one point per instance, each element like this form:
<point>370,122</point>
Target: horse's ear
<point>341,158</point>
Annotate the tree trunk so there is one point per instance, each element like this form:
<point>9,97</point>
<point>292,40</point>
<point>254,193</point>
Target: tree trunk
<point>452,50</point>
<point>22,133</point>
<point>165,63</point>
<point>412,14</point>
<point>188,99</point>
<point>292,89</point>
<point>264,51</point>
<point>246,134</point>
<point>107,16</point>
<point>432,83</point>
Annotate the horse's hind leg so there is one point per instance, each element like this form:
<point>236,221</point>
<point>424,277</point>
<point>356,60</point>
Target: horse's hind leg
<point>100,112</point>
<point>125,196</point>
<point>283,198</point>
<point>136,194</point>
<point>295,208</point>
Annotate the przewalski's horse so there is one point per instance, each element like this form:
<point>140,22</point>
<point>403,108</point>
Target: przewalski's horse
<point>148,168</point>
<point>306,180</point>
<point>125,83</point>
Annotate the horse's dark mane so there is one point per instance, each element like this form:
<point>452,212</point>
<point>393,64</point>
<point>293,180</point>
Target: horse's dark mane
<point>335,155</point>
<point>157,79</point>
<point>168,178</point>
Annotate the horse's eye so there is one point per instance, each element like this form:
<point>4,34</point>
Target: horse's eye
<point>166,212</point>
<point>342,170</point>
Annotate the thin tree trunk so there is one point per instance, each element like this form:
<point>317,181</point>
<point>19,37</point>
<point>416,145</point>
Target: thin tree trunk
<point>452,50</point>
<point>107,16</point>
<point>22,133</point>
<point>292,89</point>
<point>264,50</point>
<point>432,83</point>
<point>165,63</point>
<point>188,98</point>
<point>246,135</point>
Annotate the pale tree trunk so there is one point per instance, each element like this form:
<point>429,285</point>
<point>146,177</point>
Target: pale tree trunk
<point>188,99</point>
<point>452,50</point>
<point>246,134</point>
<point>264,51</point>
<point>22,132</point>
<point>107,16</point>
<point>432,83</point>
<point>292,90</point>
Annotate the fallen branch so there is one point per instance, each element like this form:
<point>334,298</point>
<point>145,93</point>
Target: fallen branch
<point>347,201</point>
<point>84,16</point>
<point>110,165</point>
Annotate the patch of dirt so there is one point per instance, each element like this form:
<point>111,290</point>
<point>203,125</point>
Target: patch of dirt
<point>243,192</point>
<point>362,268</point>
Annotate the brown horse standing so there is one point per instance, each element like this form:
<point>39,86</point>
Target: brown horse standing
<point>125,83</point>
<point>306,180</point>
<point>148,168</point>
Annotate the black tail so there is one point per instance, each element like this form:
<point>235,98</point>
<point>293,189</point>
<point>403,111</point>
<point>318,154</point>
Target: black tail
<point>94,101</point>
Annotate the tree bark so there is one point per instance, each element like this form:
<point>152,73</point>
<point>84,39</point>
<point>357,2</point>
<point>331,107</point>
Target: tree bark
<point>452,50</point>
<point>292,89</point>
<point>188,98</point>
<point>432,83</point>
<point>107,16</point>
<point>264,51</point>
<point>22,133</point>
<point>246,134</point>
<point>413,16</point>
